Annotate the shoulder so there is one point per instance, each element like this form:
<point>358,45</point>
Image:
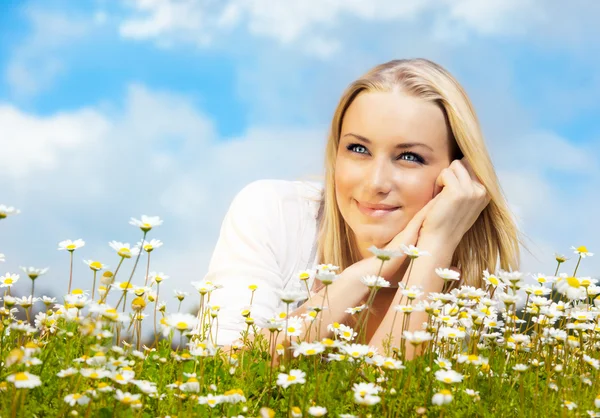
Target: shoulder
<point>272,195</point>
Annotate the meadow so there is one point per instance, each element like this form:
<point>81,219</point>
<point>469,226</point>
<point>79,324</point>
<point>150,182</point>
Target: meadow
<point>523,345</point>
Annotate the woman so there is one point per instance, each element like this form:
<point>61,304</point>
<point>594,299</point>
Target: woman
<point>405,164</point>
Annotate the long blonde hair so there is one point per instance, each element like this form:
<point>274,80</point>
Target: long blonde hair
<point>493,237</point>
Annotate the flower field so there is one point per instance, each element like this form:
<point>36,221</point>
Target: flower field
<point>524,345</point>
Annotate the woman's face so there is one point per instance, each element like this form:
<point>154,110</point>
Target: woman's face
<point>392,149</point>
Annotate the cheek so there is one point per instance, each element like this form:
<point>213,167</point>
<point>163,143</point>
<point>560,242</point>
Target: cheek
<point>415,188</point>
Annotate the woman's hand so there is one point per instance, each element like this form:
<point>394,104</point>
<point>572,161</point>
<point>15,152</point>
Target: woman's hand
<point>459,199</point>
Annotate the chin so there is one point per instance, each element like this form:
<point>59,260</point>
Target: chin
<point>377,238</point>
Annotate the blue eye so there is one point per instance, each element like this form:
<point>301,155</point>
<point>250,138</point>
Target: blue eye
<point>357,148</point>
<point>415,157</point>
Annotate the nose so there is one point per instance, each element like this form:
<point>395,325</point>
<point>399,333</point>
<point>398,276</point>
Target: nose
<point>379,177</point>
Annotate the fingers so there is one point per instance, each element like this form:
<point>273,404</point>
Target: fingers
<point>446,178</point>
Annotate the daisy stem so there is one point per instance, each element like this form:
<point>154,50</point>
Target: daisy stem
<point>290,401</point>
<point>155,309</point>
<point>70,271</point>
<point>390,340</point>
<point>147,269</point>
<point>577,266</point>
<point>137,259</point>
<point>103,299</point>
<point>316,381</point>
<point>32,288</point>
<point>93,287</point>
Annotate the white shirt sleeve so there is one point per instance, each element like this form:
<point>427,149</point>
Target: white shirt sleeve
<point>247,252</point>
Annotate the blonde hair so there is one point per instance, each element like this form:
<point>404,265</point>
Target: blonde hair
<point>493,236</point>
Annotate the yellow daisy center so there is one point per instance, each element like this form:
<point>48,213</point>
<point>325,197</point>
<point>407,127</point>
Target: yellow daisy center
<point>291,378</point>
<point>573,282</point>
<point>22,377</point>
<point>96,265</point>
<point>582,249</point>
<point>71,247</point>
<point>181,325</point>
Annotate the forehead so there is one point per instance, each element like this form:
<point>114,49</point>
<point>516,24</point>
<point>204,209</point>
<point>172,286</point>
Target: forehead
<point>395,117</point>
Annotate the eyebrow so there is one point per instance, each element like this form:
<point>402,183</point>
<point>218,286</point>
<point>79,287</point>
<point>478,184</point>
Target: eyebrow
<point>403,145</point>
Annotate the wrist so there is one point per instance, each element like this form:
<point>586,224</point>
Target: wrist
<point>437,245</point>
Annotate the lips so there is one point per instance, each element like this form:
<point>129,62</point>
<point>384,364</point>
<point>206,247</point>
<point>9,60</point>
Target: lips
<point>376,210</point>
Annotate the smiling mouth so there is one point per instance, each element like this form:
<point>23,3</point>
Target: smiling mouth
<point>375,211</point>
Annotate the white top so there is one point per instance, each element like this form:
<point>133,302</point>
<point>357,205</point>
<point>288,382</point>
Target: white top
<point>268,235</point>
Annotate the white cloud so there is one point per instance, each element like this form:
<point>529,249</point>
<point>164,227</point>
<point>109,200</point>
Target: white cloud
<point>317,26</point>
<point>84,173</point>
<point>36,61</point>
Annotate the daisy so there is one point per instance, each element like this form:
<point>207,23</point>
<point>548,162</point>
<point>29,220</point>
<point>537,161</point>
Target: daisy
<point>147,222</point>
<point>356,350</point>
<point>77,398</point>
<point>384,255</point>
<point>294,377</point>
<point>569,405</point>
<point>71,245</point>
<point>124,286</point>
<point>292,295</point>
<point>122,376</point>
<point>443,363</point>
<point>582,251</point>
<point>210,400</point>
<point>543,279</point>
<point>595,363</point>
<point>520,368</point>
<point>155,277</point>
<point>571,287</point>
<point>443,397</point>
<point>327,267</point>
<point>374,282</point>
<point>448,376</point>
<point>355,310</point>
<point>127,398</point>
<point>305,275</point>
<point>24,380</point>
<point>180,295</point>
<point>417,337</point>
<point>413,252</point>
<point>182,321</point>
<point>364,389</point>
<point>8,210</point>
<point>327,277</point>
<point>447,274</point>
<point>234,396</point>
<point>537,290</point>
<point>512,277</point>
<point>124,249</point>
<point>34,273</point>
<point>413,292</point>
<point>151,245</point>
<point>203,287</point>
<point>95,265</point>
<point>307,349</point>
<point>493,280</point>
<point>8,280</point>
<point>345,332</point>
<point>294,326</point>
<point>317,411</point>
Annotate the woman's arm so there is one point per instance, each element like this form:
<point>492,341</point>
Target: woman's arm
<point>347,291</point>
<point>422,274</point>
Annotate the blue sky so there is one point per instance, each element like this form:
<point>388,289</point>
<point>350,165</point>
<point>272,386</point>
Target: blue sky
<point>111,109</point>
